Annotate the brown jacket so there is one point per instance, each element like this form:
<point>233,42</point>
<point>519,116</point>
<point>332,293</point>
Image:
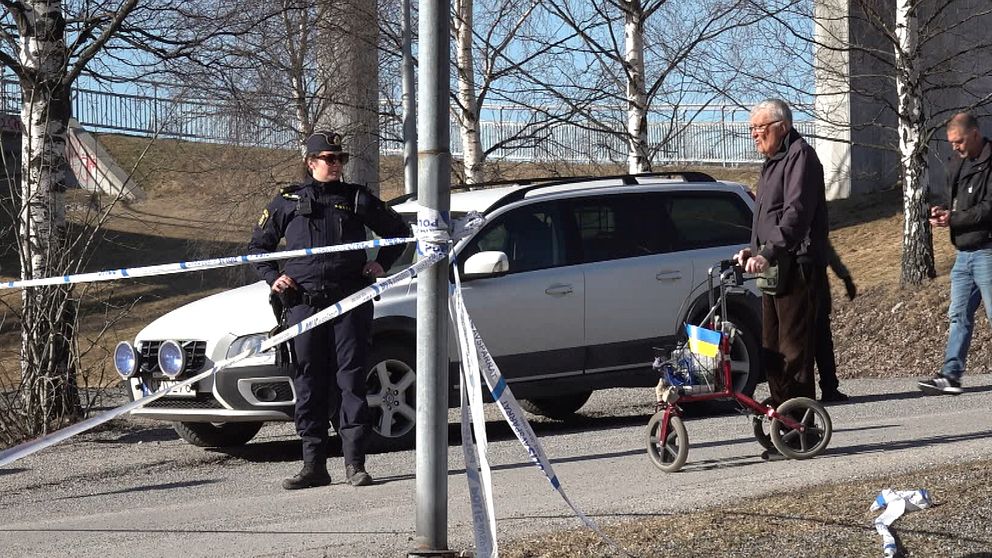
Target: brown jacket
<point>791,214</point>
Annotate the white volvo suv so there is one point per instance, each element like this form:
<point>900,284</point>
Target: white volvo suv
<point>601,271</point>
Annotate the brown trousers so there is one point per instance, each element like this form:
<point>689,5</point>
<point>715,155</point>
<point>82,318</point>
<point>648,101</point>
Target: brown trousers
<point>788,334</point>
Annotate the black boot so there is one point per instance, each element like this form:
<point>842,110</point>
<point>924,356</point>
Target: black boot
<point>357,476</point>
<point>311,475</point>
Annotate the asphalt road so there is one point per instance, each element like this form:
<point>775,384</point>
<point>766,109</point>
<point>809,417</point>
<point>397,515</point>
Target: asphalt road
<point>135,489</point>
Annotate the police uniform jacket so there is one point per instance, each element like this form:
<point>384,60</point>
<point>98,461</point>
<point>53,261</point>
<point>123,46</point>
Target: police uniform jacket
<point>791,213</point>
<point>315,214</point>
<point>970,193</point>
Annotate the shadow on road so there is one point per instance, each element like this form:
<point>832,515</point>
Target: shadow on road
<point>145,488</point>
<point>911,394</point>
<point>915,443</point>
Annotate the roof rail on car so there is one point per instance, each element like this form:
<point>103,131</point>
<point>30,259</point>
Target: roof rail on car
<point>464,187</point>
<point>531,184</point>
<point>628,179</point>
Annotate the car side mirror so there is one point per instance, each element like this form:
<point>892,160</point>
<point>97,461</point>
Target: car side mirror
<point>486,264</point>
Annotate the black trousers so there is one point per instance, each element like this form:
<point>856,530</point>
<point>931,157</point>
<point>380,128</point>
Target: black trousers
<point>788,334</point>
<point>826,364</point>
<point>330,382</point>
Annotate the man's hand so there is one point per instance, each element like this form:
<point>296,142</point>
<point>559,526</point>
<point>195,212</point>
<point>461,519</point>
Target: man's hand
<point>756,264</point>
<point>373,269</point>
<point>283,283</point>
<point>852,290</point>
<point>939,216</point>
<point>742,256</point>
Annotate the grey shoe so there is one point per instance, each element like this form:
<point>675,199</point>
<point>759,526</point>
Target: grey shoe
<point>940,385</point>
<point>310,476</point>
<point>357,476</point>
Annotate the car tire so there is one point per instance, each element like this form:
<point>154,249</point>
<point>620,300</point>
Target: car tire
<point>562,407</point>
<point>217,435</point>
<point>392,396</point>
<point>745,361</point>
<point>745,367</point>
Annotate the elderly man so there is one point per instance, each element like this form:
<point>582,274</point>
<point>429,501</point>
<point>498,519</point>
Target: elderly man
<point>788,248</point>
<point>969,219</point>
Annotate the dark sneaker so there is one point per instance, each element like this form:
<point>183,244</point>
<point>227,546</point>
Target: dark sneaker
<point>357,476</point>
<point>940,385</point>
<point>833,397</point>
<point>310,475</point>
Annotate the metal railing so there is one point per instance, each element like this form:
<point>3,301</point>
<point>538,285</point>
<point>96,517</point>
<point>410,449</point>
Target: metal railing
<point>718,136</point>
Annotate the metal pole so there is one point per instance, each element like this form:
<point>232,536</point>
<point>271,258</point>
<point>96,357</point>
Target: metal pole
<point>409,105</point>
<point>434,163</point>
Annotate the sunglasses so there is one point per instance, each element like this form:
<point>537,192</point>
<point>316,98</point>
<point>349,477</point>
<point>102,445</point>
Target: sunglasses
<point>332,158</point>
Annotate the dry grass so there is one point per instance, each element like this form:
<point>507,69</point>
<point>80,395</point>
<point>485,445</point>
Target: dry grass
<point>830,521</point>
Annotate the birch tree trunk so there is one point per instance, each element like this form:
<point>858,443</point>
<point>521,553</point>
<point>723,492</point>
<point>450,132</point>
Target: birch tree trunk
<point>638,155</point>
<point>296,49</point>
<point>47,365</point>
<point>348,60</point>
<point>917,238</point>
<point>467,109</point>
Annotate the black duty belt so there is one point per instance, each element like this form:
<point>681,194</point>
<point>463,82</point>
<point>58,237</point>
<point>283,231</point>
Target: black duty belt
<point>321,299</point>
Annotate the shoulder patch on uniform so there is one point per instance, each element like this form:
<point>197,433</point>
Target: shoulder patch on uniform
<point>263,218</point>
<point>288,191</point>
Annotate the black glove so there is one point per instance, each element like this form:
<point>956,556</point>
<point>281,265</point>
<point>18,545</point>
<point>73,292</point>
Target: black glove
<point>852,290</point>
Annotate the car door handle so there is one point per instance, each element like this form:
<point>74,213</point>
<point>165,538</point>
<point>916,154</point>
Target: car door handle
<point>669,275</point>
<point>559,290</point>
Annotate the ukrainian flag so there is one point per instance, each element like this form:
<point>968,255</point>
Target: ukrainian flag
<point>705,342</point>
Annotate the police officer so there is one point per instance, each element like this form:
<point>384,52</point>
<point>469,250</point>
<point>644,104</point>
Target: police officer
<point>330,359</point>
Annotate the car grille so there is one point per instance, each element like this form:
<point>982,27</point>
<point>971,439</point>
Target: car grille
<point>196,356</point>
<point>185,404</point>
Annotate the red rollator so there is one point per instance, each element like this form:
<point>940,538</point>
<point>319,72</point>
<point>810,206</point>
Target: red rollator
<point>699,370</point>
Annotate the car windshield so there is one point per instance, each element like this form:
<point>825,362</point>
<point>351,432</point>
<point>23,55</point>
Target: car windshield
<point>406,259</point>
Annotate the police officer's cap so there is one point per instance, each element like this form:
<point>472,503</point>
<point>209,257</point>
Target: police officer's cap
<point>321,141</point>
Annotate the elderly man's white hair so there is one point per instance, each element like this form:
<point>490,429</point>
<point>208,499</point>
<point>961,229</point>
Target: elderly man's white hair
<point>778,109</point>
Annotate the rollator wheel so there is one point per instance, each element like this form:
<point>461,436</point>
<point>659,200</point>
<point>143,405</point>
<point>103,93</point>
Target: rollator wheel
<point>812,440</point>
<point>760,432</point>
<point>669,456</point>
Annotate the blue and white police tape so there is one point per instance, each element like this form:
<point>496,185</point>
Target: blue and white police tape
<point>368,293</point>
<point>477,359</point>
<point>895,503</point>
<point>433,231</point>
<point>199,265</point>
<point>478,473</point>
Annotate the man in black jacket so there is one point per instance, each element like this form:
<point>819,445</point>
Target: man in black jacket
<point>789,235</point>
<point>331,359</point>
<point>969,218</point>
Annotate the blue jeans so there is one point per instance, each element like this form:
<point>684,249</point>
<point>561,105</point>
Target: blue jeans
<point>971,283</point>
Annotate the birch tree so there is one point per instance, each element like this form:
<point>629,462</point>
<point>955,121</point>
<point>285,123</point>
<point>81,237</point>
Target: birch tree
<point>485,66</point>
<point>47,60</point>
<point>48,45</point>
<point>654,61</point>
<point>917,240</point>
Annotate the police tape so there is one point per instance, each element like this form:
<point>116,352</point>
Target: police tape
<point>478,473</point>
<point>199,265</point>
<point>365,295</point>
<point>476,358</point>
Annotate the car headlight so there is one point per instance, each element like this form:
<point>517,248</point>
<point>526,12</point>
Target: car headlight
<point>125,359</point>
<point>245,342</point>
<point>171,358</point>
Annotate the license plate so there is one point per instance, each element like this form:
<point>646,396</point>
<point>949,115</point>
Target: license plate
<point>185,391</point>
